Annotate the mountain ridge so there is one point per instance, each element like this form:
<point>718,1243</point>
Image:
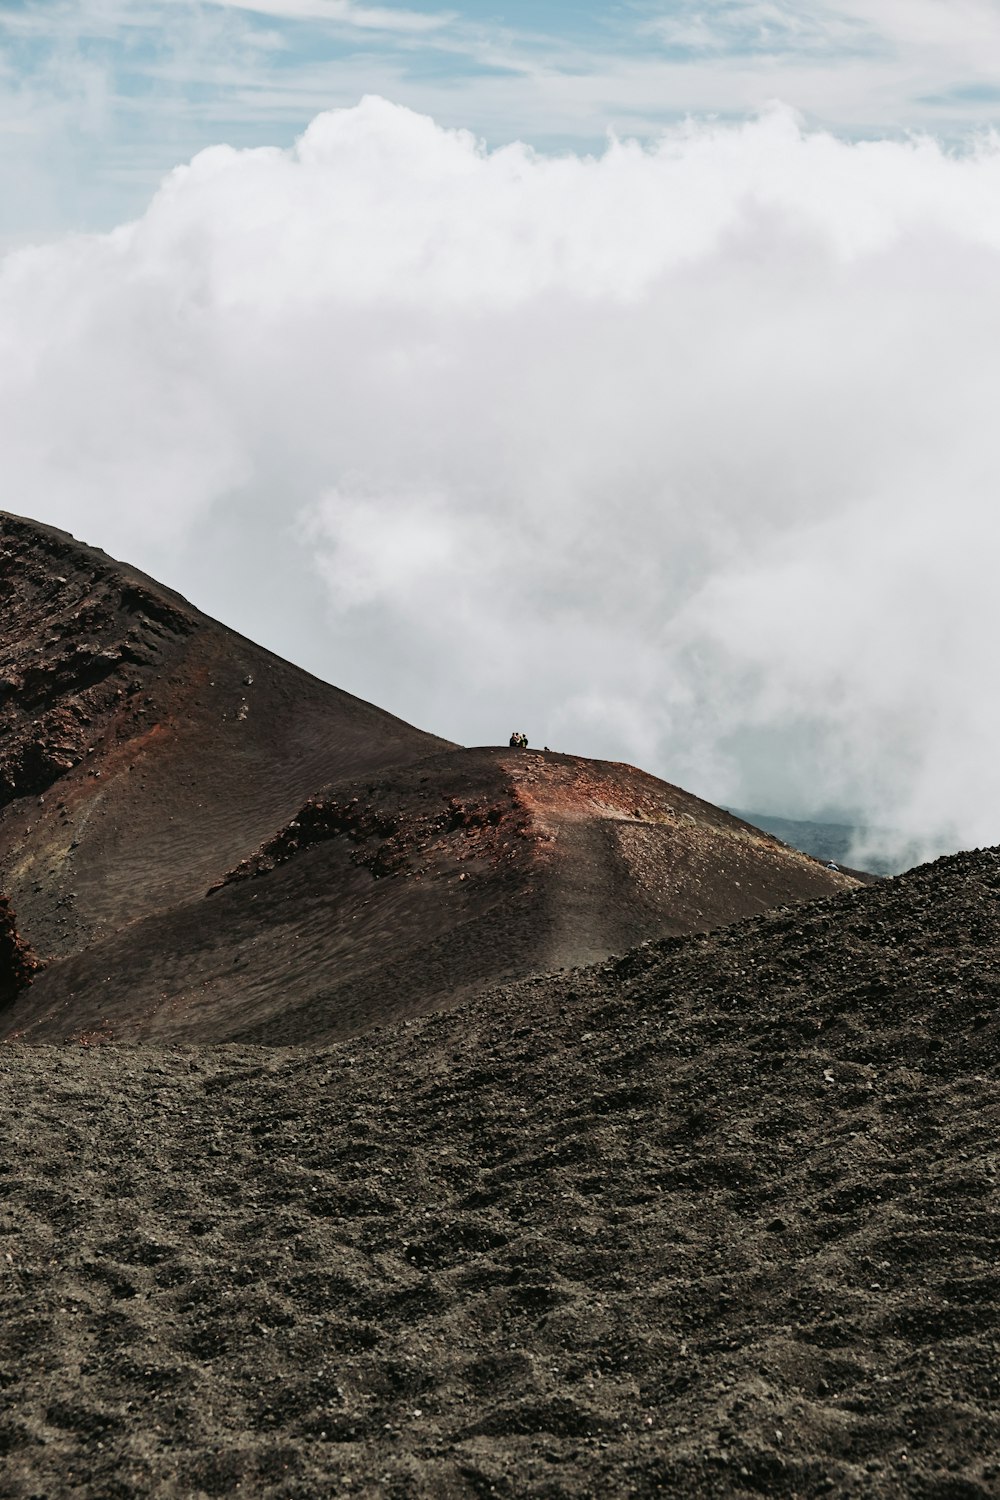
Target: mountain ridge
<point>148,752</point>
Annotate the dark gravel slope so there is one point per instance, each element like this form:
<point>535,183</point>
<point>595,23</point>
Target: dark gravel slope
<point>146,753</point>
<point>144,748</point>
<point>719,1218</point>
<point>409,891</point>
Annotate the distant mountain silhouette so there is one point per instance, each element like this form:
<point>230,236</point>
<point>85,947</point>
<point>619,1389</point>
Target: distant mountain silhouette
<point>836,841</point>
<point>200,841</point>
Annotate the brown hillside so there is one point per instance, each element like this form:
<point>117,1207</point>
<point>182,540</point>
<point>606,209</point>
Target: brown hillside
<point>200,841</point>
<point>143,746</point>
<point>406,892</point>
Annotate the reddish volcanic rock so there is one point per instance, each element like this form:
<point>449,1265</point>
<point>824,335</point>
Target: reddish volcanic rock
<point>18,965</point>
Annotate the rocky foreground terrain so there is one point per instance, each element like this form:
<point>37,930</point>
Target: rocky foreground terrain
<point>717,1218</point>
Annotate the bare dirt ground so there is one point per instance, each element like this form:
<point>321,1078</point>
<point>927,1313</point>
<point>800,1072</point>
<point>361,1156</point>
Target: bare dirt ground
<point>719,1218</point>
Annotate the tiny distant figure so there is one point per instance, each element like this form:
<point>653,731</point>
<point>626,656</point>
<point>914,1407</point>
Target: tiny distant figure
<point>524,741</point>
<point>831,866</point>
<point>518,741</point>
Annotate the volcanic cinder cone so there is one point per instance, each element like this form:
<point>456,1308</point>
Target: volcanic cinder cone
<point>200,841</point>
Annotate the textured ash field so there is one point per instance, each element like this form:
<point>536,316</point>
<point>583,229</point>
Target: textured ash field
<point>718,1218</point>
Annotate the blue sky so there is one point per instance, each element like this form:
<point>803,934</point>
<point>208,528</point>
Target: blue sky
<point>99,98</point>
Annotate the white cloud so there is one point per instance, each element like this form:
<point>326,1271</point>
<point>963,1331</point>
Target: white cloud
<point>684,454</point>
<point>343,12</point>
<point>773,27</point>
<point>99,97</point>
<point>965,31</point>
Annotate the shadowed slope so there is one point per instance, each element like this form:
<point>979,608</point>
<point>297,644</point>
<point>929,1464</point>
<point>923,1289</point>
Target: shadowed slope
<point>18,964</point>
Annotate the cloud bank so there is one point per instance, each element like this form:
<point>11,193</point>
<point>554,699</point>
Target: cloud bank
<point>684,454</point>
<point>376,18</point>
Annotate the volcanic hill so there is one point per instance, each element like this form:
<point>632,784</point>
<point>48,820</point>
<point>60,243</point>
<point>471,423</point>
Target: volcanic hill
<point>199,841</point>
<point>715,1217</point>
